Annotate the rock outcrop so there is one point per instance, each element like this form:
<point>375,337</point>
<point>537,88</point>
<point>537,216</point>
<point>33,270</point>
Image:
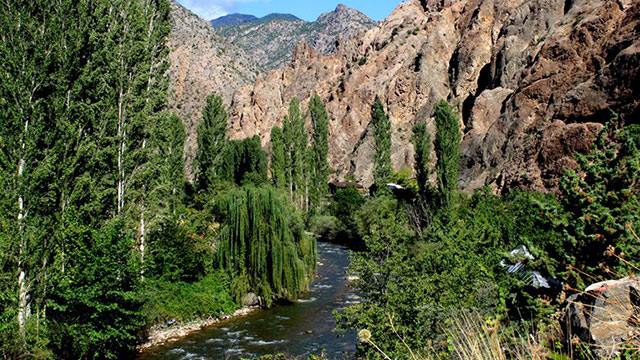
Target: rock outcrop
<point>605,317</point>
<point>270,40</point>
<point>534,82</point>
<point>201,62</point>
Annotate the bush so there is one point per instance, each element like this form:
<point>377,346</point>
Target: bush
<point>344,205</point>
<point>182,301</point>
<point>325,227</point>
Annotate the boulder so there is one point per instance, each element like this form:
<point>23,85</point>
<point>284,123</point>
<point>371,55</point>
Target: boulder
<point>606,316</point>
<point>250,299</point>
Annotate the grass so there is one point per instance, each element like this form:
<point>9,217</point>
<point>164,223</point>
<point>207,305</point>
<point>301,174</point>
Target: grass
<point>209,297</point>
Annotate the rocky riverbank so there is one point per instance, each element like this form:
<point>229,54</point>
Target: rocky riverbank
<point>159,335</point>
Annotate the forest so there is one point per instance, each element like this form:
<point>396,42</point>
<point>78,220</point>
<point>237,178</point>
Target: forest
<point>102,235</point>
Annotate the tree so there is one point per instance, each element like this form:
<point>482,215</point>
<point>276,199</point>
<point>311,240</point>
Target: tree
<point>320,151</point>
<point>211,142</point>
<point>295,140</point>
<point>422,147</point>
<point>382,139</point>
<point>447,146</point>
<point>601,202</point>
<point>278,159</point>
<point>264,246</point>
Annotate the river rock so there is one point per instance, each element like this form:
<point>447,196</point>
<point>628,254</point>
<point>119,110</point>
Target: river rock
<point>605,316</point>
<point>250,299</point>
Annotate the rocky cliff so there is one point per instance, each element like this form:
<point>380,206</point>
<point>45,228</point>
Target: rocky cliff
<point>534,81</point>
<point>201,63</point>
<point>270,40</point>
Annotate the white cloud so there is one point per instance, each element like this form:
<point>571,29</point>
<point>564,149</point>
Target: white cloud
<point>211,9</point>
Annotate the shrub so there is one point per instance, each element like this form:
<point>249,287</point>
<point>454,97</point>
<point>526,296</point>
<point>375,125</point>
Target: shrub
<point>183,301</point>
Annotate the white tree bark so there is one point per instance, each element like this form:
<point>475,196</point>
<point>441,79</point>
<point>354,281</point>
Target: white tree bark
<point>23,290</point>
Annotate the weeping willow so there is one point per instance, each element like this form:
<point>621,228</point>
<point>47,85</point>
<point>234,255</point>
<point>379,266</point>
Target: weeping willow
<point>264,246</point>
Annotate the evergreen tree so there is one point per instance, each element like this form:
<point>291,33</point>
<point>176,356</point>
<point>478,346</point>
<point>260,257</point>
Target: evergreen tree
<point>447,146</point>
<point>320,150</point>
<point>211,142</point>
<point>382,138</point>
<point>278,159</point>
<point>421,145</point>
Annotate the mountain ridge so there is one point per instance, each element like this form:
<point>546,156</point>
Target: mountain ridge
<point>270,40</point>
<point>533,83</point>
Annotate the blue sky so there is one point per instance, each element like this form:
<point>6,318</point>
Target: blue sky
<point>305,9</point>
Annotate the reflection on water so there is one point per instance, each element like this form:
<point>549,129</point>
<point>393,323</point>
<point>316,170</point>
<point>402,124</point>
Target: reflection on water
<point>299,329</point>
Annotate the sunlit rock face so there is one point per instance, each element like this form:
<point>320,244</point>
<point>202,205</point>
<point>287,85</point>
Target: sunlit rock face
<point>533,80</point>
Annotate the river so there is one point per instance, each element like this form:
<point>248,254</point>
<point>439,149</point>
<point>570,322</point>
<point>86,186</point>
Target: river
<point>299,329</point>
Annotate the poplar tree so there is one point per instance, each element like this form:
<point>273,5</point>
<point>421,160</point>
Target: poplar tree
<point>211,142</point>
<point>278,159</point>
<point>320,150</point>
<point>447,146</point>
<point>295,140</point>
<point>421,145</point>
<point>382,139</point>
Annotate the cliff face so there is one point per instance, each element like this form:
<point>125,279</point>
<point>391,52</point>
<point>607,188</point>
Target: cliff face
<point>534,81</point>
<point>270,40</point>
<point>201,63</point>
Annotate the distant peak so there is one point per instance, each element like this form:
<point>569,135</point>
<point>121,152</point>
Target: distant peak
<point>341,8</point>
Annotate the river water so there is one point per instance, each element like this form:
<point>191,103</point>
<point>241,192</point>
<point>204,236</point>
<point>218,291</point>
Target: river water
<point>299,329</point>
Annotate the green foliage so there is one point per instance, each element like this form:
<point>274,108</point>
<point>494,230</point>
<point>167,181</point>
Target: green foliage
<point>94,309</point>
<point>245,162</point>
<point>175,254</point>
<point>422,146</point>
<point>318,163</point>
<point>382,138</point>
<point>447,146</point>
<point>212,134</point>
<point>295,142</point>
<point>325,227</point>
<point>601,204</point>
<point>278,159</point>
<point>344,205</point>
<point>183,302</point>
<point>263,245</point>
<point>419,285</point>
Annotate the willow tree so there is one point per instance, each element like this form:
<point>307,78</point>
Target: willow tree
<point>447,146</point>
<point>382,139</point>
<point>264,246</point>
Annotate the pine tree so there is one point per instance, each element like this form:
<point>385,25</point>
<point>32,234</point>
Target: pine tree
<point>421,145</point>
<point>382,138</point>
<point>447,146</point>
<point>278,159</point>
<point>211,142</point>
<point>320,151</point>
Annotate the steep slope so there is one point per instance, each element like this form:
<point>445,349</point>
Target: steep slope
<point>534,81</point>
<point>201,63</point>
<point>270,40</point>
<point>233,19</point>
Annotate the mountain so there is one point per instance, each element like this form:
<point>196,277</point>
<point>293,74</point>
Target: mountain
<point>533,80</point>
<point>202,63</point>
<point>232,19</point>
<point>270,40</point>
